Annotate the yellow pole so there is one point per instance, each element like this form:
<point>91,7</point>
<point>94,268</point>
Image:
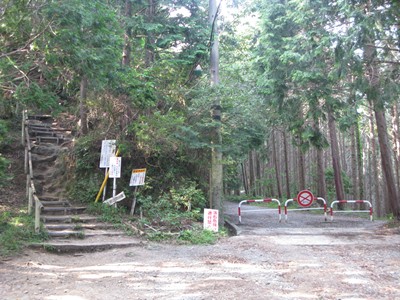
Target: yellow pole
<point>104,182</point>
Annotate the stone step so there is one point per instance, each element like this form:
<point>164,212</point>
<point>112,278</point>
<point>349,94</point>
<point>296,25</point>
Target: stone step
<point>40,117</point>
<point>62,210</point>
<point>51,139</point>
<point>89,244</point>
<point>78,226</point>
<point>68,218</point>
<point>69,233</point>
<point>44,127</point>
<point>43,133</point>
<point>62,203</point>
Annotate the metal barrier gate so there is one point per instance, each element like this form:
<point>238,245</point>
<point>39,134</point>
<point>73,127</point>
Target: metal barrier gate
<point>370,211</point>
<point>267,200</point>
<point>305,199</point>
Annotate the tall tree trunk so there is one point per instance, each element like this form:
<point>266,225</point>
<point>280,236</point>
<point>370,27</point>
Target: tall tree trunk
<point>286,158</point>
<point>216,153</point>
<point>360,164</point>
<point>386,159</point>
<point>396,141</point>
<point>245,179</point>
<point>321,185</point>
<point>149,47</point>
<point>374,177</point>
<point>337,171</point>
<point>276,166</point>
<point>126,52</point>
<point>82,105</point>
<point>251,173</point>
<point>373,76</point>
<point>302,176</point>
<point>354,172</point>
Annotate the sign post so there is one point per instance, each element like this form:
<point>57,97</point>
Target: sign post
<point>305,198</point>
<point>108,149</point>
<point>137,178</point>
<point>115,172</point>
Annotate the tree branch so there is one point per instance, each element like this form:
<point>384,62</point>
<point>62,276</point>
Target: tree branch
<point>24,48</point>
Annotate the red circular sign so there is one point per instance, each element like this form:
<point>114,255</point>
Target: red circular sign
<point>305,198</point>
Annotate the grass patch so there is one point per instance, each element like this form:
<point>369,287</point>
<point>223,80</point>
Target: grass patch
<point>17,230</point>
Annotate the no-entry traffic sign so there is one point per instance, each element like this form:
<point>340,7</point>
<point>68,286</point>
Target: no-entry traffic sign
<point>305,198</point>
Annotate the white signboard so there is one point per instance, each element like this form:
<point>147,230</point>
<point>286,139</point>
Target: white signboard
<point>211,219</point>
<point>108,148</point>
<point>117,198</point>
<point>137,177</point>
<point>115,167</point>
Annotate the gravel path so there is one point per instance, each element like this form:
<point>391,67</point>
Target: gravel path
<point>305,258</point>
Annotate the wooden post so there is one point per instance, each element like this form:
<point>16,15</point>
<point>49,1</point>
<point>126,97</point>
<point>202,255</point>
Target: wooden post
<point>23,127</point>
<point>30,198</point>
<point>134,201</point>
<point>38,207</point>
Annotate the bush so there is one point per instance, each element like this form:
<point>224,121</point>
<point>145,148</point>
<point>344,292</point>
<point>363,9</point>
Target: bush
<point>198,237</point>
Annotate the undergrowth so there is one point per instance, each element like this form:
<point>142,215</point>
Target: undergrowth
<point>17,230</point>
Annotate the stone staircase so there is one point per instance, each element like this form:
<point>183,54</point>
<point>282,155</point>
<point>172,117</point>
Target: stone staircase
<point>68,225</point>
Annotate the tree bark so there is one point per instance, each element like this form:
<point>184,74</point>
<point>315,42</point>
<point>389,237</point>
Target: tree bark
<point>149,48</point>
<point>396,141</point>
<point>360,164</point>
<point>126,52</point>
<point>82,106</point>
<point>374,178</point>
<point>276,166</point>
<point>354,166</point>
<point>216,153</point>
<point>386,159</point>
<point>337,171</point>
<point>302,177</point>
<point>286,158</point>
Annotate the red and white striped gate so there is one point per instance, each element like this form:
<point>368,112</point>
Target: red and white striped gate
<point>267,200</point>
<point>370,211</point>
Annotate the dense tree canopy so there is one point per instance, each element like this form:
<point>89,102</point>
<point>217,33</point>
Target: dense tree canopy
<point>309,89</point>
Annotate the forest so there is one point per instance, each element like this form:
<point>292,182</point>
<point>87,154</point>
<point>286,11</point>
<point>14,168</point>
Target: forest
<point>218,100</point>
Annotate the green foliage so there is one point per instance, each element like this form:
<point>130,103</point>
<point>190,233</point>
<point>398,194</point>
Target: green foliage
<point>86,178</point>
<point>175,210</point>
<point>107,213</point>
<point>16,232</point>
<point>86,154</point>
<point>330,183</point>
<point>4,162</point>
<point>36,97</point>
<point>198,237</point>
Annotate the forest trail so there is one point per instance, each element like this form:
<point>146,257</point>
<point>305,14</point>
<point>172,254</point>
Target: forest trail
<point>68,225</point>
<point>285,263</point>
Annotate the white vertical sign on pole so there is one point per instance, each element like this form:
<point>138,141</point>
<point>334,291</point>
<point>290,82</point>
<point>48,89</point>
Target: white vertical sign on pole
<point>115,167</point>
<point>115,172</point>
<point>211,219</point>
<point>108,148</point>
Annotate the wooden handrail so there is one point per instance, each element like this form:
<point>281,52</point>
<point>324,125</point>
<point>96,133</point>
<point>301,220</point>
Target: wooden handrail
<point>33,199</point>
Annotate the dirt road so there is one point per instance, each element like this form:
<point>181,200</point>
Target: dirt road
<point>306,258</point>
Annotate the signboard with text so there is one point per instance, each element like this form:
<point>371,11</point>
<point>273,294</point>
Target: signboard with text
<point>121,196</point>
<point>115,167</point>
<point>211,219</point>
<point>137,178</point>
<point>108,148</point>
